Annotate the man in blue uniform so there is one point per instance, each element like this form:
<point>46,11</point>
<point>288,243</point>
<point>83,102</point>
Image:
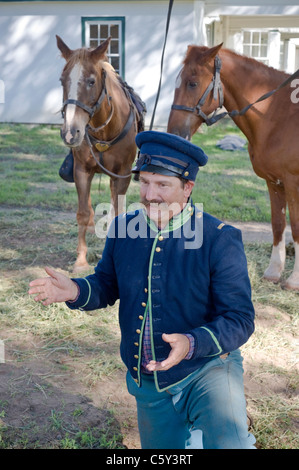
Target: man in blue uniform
<point>185,304</point>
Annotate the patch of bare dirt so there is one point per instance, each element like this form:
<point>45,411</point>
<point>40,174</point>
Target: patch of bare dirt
<point>45,403</point>
<point>40,415</point>
<point>258,232</point>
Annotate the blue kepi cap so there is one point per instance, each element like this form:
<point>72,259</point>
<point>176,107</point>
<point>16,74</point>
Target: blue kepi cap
<point>168,154</point>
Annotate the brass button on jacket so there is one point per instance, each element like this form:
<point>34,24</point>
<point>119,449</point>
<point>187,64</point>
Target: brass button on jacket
<point>147,270</point>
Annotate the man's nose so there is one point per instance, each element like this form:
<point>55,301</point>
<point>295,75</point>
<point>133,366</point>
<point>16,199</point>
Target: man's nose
<point>151,193</point>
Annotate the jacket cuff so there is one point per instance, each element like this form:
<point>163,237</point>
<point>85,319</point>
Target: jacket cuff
<point>83,296</point>
<point>206,343</point>
<point>191,346</point>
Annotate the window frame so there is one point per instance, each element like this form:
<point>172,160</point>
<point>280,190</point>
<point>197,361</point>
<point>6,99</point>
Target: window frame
<point>120,20</point>
<point>251,44</point>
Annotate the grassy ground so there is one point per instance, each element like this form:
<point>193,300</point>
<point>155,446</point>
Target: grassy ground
<point>31,157</point>
<point>62,385</point>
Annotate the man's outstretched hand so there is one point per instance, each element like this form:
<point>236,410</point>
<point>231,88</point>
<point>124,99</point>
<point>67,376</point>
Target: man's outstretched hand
<point>179,349</point>
<point>56,288</point>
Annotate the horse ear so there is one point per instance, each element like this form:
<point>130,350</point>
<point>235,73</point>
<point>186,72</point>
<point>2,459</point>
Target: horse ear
<point>100,52</point>
<point>66,52</point>
<point>212,52</point>
<point>201,54</point>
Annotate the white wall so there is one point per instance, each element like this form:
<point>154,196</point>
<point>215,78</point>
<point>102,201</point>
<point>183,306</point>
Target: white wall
<point>251,7</point>
<point>30,63</point>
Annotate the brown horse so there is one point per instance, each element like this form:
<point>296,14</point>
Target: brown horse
<point>100,125</point>
<point>214,76</point>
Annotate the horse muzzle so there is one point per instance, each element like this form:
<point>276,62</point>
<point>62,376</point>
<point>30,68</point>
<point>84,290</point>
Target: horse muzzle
<point>72,136</point>
<point>179,128</point>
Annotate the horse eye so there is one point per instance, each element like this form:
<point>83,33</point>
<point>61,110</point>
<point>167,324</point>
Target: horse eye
<point>192,84</point>
<point>91,82</point>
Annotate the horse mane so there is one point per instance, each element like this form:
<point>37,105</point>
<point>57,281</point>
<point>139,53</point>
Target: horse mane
<point>252,63</point>
<point>197,54</point>
<point>110,71</point>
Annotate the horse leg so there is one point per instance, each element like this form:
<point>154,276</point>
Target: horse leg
<point>85,215</point>
<point>278,219</point>
<point>292,193</point>
<point>118,189</point>
<point>91,224</point>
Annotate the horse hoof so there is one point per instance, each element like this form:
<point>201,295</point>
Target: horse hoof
<point>292,283</point>
<point>271,278</point>
<point>80,268</point>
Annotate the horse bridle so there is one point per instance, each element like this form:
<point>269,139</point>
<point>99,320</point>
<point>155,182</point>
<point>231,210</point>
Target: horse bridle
<point>100,145</point>
<point>216,86</point>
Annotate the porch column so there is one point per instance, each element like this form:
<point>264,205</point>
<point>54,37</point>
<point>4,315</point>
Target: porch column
<point>274,49</point>
<point>199,28</point>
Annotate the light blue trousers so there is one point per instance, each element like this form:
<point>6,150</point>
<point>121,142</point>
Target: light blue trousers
<point>207,410</point>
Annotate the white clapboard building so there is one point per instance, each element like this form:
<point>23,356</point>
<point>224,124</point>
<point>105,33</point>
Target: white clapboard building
<point>30,63</point>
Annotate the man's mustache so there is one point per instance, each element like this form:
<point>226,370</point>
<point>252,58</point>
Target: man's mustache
<point>147,203</point>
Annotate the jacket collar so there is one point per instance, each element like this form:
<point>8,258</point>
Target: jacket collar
<point>175,223</point>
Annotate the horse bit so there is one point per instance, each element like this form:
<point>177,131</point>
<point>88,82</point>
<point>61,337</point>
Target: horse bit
<point>100,145</point>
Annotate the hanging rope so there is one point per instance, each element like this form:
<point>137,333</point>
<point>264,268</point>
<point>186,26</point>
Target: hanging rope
<point>162,60</point>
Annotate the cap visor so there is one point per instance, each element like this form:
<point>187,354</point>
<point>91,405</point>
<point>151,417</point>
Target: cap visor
<point>157,169</point>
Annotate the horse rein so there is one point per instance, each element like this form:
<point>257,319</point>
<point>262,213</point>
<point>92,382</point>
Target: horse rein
<point>216,86</point>
<point>101,146</point>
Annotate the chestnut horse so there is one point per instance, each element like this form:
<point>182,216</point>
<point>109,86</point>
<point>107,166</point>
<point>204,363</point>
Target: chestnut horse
<point>214,76</point>
<point>100,125</point>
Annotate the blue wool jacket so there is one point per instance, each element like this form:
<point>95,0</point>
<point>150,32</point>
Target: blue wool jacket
<point>190,277</point>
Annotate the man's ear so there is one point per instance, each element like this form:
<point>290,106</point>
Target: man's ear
<point>188,187</point>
